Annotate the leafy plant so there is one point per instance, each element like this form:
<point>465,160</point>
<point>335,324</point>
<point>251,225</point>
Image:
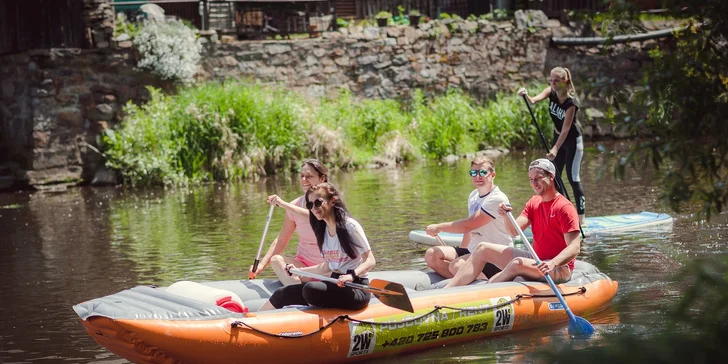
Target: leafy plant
<point>122,25</point>
<point>414,12</point>
<point>383,15</point>
<point>682,101</point>
<point>170,50</point>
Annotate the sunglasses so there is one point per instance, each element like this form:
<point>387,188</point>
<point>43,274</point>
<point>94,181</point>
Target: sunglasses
<point>315,203</point>
<point>476,172</point>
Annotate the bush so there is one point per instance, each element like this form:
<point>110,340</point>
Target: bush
<point>233,130</point>
<point>170,50</point>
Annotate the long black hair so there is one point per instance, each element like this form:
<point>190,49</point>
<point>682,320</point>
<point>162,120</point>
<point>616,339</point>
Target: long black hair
<point>331,195</point>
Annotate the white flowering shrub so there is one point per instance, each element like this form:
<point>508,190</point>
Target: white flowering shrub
<point>170,50</point>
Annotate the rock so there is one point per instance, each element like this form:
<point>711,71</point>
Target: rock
<point>394,32</point>
<point>371,33</point>
<point>342,61</point>
<point>365,60</point>
<point>592,113</point>
<point>122,37</point>
<point>103,176</point>
<point>105,112</point>
<point>530,19</point>
<point>277,48</point>
<point>452,158</point>
<point>8,89</point>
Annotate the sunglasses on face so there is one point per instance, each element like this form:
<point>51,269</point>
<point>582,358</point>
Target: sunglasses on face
<point>315,203</point>
<point>476,172</point>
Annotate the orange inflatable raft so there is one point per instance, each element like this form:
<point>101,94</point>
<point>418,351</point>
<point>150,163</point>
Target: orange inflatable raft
<point>153,325</point>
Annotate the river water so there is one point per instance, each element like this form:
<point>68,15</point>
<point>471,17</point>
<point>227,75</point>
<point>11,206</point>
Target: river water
<point>59,249</point>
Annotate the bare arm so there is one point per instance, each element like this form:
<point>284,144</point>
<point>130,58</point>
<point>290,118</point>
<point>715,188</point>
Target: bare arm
<point>538,98</point>
<point>462,226</point>
<point>466,241</point>
<point>368,262</point>
<point>322,268</point>
<point>573,246</point>
<point>568,121</point>
<point>279,243</point>
<point>522,222</point>
<point>288,206</point>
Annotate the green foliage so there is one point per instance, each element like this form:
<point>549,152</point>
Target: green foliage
<point>696,332</point>
<point>683,102</point>
<point>122,25</point>
<point>233,130</point>
<point>383,15</point>
<point>210,132</point>
<point>342,23</point>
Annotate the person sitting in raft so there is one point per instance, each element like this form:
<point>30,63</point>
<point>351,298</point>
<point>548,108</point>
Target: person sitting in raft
<point>556,238</point>
<point>482,225</point>
<point>313,172</point>
<point>346,252</point>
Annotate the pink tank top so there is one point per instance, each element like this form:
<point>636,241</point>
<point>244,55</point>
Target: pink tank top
<point>308,251</point>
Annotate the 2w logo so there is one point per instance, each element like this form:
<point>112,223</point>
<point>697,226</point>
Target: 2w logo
<point>363,341</point>
<point>361,344</point>
<point>503,317</point>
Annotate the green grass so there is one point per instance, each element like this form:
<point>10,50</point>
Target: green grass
<point>235,130</point>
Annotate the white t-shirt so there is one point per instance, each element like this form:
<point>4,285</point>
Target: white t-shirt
<point>336,256</point>
<point>494,231</point>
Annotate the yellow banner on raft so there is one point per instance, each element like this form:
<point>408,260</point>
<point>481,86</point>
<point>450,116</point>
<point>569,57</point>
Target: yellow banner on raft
<point>403,330</point>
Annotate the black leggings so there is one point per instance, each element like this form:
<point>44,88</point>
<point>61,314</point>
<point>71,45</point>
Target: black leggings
<point>322,294</point>
<point>571,154</point>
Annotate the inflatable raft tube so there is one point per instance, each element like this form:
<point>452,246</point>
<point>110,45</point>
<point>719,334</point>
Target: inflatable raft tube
<point>151,325</point>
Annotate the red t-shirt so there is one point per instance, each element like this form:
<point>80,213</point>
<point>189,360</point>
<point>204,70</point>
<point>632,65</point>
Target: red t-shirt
<point>549,222</point>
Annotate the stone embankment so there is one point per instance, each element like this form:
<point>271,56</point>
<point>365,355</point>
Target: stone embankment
<point>55,103</point>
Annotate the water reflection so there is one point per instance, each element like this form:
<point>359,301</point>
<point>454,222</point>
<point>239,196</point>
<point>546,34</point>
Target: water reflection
<point>60,249</point>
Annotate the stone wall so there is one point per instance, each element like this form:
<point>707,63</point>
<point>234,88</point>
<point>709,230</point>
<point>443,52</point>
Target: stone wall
<point>478,56</point>
<point>55,103</point>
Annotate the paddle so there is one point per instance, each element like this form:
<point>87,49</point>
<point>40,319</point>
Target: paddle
<point>577,325</point>
<point>251,275</point>
<point>439,240</point>
<point>389,293</point>
<point>559,182</point>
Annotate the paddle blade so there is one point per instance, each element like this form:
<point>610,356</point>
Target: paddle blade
<point>580,327</point>
<point>391,294</point>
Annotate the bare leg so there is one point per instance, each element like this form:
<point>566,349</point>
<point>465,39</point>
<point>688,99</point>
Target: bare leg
<point>439,257</point>
<point>278,263</point>
<point>497,254</point>
<point>459,262</point>
<point>517,267</point>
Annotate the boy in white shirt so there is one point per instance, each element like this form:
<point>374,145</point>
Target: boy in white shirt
<point>483,224</point>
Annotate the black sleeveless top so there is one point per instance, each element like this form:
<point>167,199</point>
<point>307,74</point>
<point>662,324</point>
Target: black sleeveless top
<point>558,114</point>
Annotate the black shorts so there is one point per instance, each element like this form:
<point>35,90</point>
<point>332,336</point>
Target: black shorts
<point>489,270</point>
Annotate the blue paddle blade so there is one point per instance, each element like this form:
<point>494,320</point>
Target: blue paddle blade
<point>580,327</point>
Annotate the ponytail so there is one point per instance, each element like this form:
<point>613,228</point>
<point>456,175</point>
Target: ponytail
<point>571,90</point>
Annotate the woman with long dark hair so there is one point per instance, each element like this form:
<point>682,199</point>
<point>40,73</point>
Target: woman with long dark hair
<point>346,253</point>
<point>313,172</point>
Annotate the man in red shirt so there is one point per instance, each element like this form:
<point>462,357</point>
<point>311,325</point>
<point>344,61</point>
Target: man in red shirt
<point>556,240</point>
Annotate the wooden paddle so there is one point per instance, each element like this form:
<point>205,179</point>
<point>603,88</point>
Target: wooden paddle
<point>251,275</point>
<point>439,240</point>
<point>389,293</point>
<point>559,182</point>
<point>577,325</point>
